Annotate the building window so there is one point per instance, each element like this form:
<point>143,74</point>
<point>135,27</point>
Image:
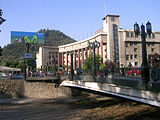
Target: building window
<point>132,34</point>
<point>135,56</point>
<point>135,43</point>
<point>136,63</point>
<point>127,57</point>
<point>126,44</point>
<point>112,19</point>
<point>135,49</point>
<point>149,36</point>
<point>148,44</point>
<point>131,44</point>
<point>152,49</point>
<point>127,34</point>
<point>153,35</point>
<point>131,57</point>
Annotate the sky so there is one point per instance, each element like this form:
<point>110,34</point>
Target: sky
<point>78,19</point>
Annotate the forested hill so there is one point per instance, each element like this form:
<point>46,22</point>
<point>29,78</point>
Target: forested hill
<point>13,52</point>
<point>55,37</point>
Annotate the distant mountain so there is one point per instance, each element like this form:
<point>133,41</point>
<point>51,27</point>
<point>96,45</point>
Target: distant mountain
<point>14,52</point>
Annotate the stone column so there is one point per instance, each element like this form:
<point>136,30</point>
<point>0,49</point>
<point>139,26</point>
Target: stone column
<point>101,46</point>
<point>58,59</point>
<point>82,54</point>
<point>67,58</point>
<point>98,51</point>
<point>74,61</point>
<point>78,58</point>
<point>62,58</point>
<point>90,51</point>
<point>86,49</point>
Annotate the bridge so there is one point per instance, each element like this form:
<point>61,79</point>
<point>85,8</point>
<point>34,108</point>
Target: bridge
<point>132,88</point>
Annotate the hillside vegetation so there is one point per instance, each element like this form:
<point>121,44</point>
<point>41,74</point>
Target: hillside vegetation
<point>14,52</point>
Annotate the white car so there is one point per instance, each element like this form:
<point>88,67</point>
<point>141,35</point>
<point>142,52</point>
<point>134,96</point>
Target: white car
<point>3,75</point>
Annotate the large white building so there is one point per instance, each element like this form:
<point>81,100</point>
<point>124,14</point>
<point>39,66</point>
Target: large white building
<point>116,44</point>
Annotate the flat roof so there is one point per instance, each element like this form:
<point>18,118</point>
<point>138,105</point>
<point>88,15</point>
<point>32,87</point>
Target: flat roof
<point>110,16</point>
<point>9,69</point>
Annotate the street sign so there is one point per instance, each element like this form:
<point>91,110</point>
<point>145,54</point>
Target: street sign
<point>28,56</point>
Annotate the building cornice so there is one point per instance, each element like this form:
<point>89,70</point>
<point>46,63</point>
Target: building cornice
<point>82,41</point>
<point>50,47</point>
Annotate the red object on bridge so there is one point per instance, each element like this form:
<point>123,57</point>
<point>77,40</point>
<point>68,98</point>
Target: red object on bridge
<point>133,71</point>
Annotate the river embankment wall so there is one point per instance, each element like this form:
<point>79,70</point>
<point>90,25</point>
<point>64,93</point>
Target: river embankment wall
<point>22,89</point>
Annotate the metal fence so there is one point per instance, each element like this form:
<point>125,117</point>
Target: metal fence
<point>124,77</point>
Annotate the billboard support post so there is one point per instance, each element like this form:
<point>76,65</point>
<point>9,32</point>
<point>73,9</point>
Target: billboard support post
<point>24,69</point>
<point>28,45</point>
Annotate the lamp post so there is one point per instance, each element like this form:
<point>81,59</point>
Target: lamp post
<point>144,67</point>
<point>72,71</point>
<point>94,45</point>
<point>1,19</point>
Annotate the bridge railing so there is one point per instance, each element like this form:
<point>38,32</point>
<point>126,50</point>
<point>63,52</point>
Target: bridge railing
<point>124,77</point>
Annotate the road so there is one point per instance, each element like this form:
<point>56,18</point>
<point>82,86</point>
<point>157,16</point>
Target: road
<point>93,107</point>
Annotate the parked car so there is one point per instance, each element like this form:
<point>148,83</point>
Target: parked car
<point>133,71</point>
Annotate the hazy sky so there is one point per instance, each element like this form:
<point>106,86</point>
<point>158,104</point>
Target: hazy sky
<point>78,19</point>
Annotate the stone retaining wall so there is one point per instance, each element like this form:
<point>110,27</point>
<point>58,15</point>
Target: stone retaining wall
<point>11,89</point>
<point>44,90</point>
<point>21,88</point>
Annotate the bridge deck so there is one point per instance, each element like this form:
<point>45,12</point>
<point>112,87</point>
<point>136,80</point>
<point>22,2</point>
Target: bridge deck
<point>144,96</point>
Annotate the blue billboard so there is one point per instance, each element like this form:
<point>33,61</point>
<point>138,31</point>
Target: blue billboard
<point>27,37</point>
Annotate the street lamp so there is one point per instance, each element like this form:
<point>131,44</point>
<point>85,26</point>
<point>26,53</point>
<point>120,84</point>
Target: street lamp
<point>72,71</point>
<point>1,19</point>
<point>94,45</point>
<point>145,67</point>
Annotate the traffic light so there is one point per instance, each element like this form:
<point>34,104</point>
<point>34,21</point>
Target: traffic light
<point>0,51</point>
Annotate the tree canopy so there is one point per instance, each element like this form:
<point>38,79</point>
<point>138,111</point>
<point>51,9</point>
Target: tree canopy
<point>88,64</point>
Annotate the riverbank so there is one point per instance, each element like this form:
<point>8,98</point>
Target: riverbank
<point>89,107</point>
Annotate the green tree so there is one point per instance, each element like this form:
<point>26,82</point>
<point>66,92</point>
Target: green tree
<point>88,64</point>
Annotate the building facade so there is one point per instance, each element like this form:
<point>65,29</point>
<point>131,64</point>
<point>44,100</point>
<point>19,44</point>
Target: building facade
<point>116,44</point>
<point>47,56</point>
